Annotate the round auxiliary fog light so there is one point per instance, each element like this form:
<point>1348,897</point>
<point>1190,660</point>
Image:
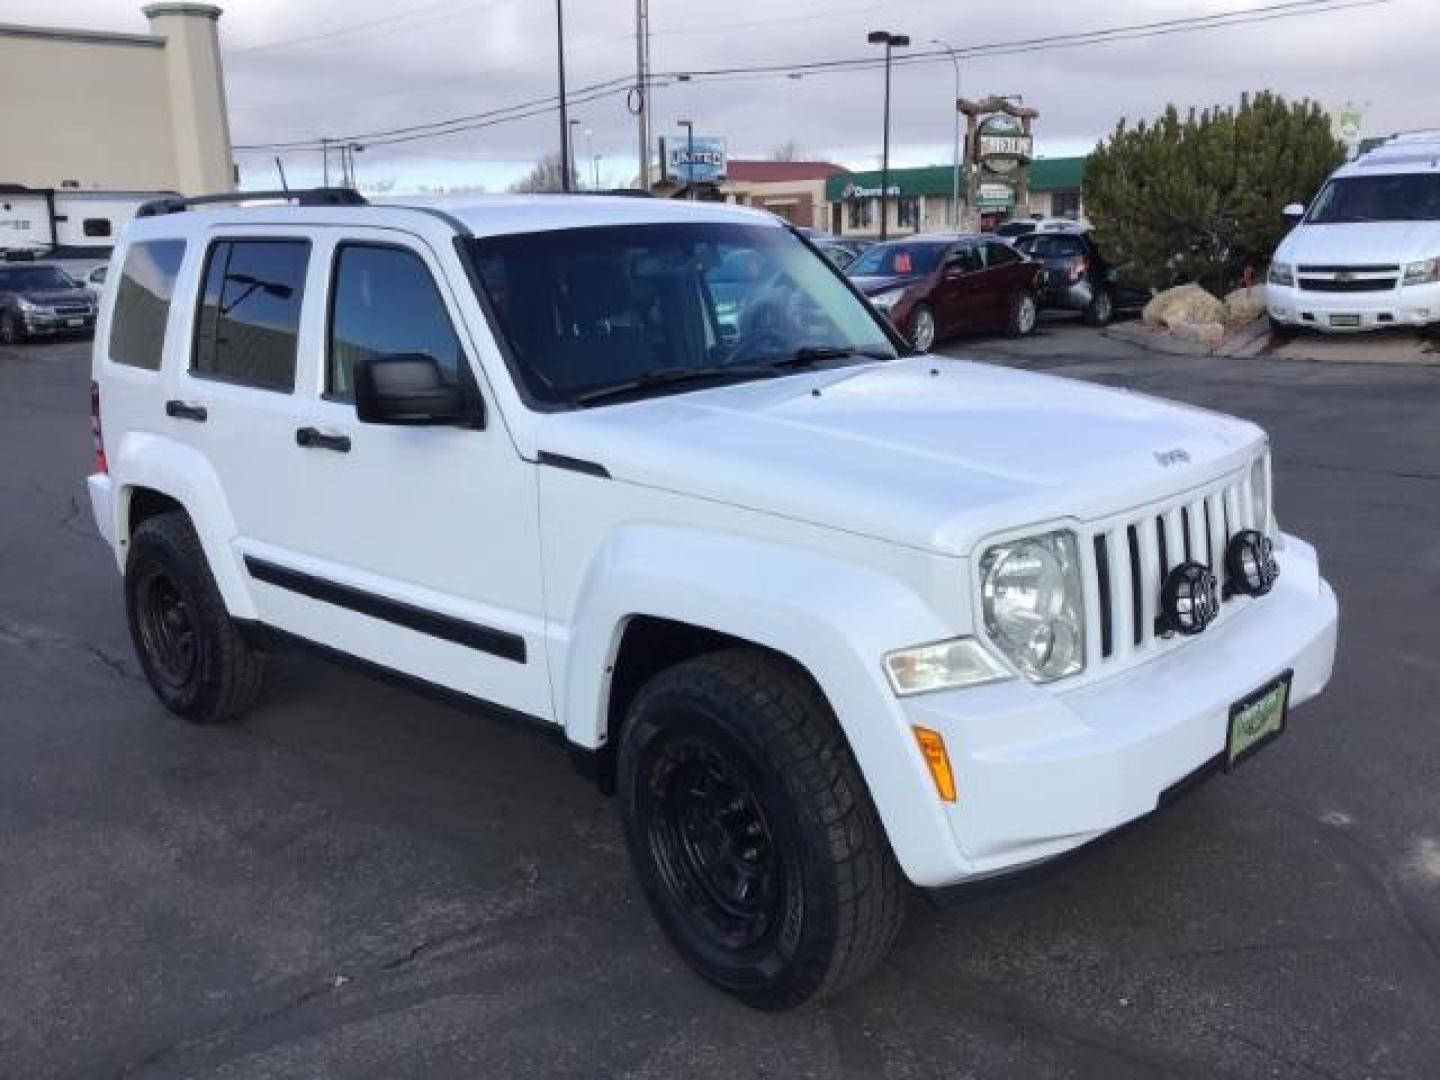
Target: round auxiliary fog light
<point>1189,599</point>
<point>1250,565</point>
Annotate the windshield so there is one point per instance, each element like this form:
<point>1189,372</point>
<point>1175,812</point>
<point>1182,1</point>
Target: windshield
<point>897,260</point>
<point>26,278</point>
<point>590,308</point>
<point>1398,197</point>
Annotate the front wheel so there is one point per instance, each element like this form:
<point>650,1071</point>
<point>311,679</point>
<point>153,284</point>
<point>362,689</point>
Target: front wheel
<point>752,832</point>
<point>922,328</point>
<point>10,332</point>
<point>1022,315</point>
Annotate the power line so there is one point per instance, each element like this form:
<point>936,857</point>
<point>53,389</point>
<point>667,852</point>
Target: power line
<point>622,84</point>
<point>360,29</point>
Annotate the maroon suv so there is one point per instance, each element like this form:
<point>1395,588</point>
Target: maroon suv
<point>933,287</point>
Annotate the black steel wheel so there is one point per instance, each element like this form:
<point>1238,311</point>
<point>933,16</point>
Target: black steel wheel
<point>751,830</point>
<point>165,625</point>
<point>198,664</point>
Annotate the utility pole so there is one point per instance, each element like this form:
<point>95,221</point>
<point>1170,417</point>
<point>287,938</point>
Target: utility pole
<point>891,42</point>
<point>689,126</point>
<point>642,86</point>
<point>571,151</point>
<point>325,154</point>
<point>564,113</point>
<point>955,105</point>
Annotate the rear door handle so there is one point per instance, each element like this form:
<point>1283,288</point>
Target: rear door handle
<point>182,411</point>
<point>315,439</point>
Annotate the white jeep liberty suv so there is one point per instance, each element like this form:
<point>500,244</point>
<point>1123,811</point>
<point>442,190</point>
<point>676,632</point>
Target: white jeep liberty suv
<point>825,615</point>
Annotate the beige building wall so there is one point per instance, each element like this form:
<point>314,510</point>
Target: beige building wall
<point>123,111</point>
<point>801,202</point>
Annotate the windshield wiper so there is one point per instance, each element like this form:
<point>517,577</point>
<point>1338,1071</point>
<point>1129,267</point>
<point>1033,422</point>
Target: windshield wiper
<point>664,377</point>
<point>811,354</point>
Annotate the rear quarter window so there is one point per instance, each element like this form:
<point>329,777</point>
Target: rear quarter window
<point>142,303</point>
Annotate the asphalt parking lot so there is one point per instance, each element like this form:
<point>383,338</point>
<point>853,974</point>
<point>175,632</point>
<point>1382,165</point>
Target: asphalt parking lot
<point>360,882</point>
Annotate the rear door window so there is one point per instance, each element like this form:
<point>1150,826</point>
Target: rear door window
<point>142,303</point>
<point>249,316</point>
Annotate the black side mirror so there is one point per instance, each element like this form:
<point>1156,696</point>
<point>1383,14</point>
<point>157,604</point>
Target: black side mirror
<point>407,388</point>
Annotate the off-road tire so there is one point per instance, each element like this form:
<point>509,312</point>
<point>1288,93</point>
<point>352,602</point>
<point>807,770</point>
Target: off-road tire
<point>841,892</point>
<point>1018,323</point>
<point>224,673</point>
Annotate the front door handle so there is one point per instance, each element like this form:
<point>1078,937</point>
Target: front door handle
<point>182,411</point>
<point>315,439</point>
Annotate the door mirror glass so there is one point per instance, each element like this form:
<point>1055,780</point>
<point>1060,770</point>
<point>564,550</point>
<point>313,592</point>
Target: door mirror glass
<point>1293,213</point>
<point>405,388</point>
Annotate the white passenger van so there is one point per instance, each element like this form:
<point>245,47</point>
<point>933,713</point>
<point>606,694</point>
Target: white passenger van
<point>1366,254</point>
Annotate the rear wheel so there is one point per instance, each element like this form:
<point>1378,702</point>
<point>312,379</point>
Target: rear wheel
<point>1101,309</point>
<point>1023,313</point>
<point>922,328</point>
<point>751,830</point>
<point>192,653</point>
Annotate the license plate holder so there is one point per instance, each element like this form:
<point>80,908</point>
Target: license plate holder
<point>1350,321</point>
<point>1257,719</point>
<point>74,322</point>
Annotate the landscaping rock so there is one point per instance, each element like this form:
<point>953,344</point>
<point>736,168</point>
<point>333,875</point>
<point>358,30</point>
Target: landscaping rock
<point>1244,305</point>
<point>1183,304</point>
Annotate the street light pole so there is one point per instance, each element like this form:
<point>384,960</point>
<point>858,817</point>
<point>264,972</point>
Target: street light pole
<point>891,42</point>
<point>570,150</point>
<point>955,107</point>
<point>564,115</point>
<point>689,126</point>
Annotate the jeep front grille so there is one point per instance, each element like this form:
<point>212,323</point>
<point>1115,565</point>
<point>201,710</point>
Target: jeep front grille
<point>1130,555</point>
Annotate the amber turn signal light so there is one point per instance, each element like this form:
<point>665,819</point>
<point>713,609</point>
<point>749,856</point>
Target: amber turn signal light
<point>932,745</point>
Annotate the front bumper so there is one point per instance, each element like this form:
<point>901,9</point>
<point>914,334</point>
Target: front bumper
<point>1348,312</point>
<point>43,325</point>
<point>1043,770</point>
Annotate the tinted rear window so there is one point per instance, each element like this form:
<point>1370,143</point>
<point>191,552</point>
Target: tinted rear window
<point>250,312</point>
<point>1041,246</point>
<point>142,303</point>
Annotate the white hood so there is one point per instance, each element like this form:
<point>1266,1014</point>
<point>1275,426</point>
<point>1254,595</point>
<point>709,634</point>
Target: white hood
<point>934,461</point>
<point>1376,243</point>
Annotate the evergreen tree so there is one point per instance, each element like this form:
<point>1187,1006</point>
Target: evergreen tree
<point>1198,198</point>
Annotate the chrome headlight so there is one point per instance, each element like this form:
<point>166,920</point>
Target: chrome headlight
<point>1424,272</point>
<point>887,299</point>
<point>1281,274</point>
<point>1033,607</point>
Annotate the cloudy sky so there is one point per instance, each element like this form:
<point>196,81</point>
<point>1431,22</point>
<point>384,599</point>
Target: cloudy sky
<point>297,71</point>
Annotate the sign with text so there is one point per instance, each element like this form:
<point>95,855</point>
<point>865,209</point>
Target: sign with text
<point>701,161</point>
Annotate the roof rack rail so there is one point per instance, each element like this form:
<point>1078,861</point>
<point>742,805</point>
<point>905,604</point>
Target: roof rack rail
<point>319,196</point>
